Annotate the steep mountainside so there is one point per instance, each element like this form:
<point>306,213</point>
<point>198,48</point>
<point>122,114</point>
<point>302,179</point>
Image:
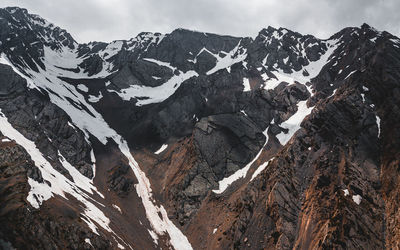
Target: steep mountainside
<point>193,140</point>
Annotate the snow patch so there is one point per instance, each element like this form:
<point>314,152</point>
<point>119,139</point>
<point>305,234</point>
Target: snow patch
<point>395,40</point>
<point>293,123</point>
<point>260,169</point>
<point>87,240</point>
<point>236,55</point>
<point>357,199</point>
<point>160,63</point>
<point>153,236</point>
<point>118,208</point>
<point>246,84</point>
<point>147,95</point>
<point>95,99</point>
<point>200,52</point>
<point>161,149</point>
<point>378,123</point>
<point>333,93</point>
<point>346,192</point>
<point>82,88</point>
<point>71,125</point>
<point>285,60</point>
<point>350,74</point>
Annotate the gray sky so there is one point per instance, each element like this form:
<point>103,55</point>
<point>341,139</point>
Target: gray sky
<point>107,20</point>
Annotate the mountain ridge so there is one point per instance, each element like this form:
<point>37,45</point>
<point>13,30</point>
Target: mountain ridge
<point>133,143</point>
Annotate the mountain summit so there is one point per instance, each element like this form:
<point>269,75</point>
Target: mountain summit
<point>193,140</point>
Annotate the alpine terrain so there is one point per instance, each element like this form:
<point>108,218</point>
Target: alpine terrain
<point>192,140</point>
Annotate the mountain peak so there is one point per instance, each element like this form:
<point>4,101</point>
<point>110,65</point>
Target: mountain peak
<point>21,15</point>
<point>16,9</point>
<point>280,32</point>
<point>187,31</point>
<point>20,23</point>
<point>366,26</point>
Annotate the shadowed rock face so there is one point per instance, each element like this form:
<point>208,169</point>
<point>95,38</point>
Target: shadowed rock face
<point>284,141</point>
<point>218,135</point>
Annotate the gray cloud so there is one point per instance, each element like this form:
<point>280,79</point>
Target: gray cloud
<point>107,20</point>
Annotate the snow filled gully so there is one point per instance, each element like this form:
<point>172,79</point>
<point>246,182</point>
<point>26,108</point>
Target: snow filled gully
<point>94,124</point>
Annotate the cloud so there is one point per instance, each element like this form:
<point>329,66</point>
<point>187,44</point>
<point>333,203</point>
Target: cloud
<point>107,20</point>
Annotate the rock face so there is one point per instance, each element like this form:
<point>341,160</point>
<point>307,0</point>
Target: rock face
<point>197,140</point>
<point>43,122</point>
<point>227,142</point>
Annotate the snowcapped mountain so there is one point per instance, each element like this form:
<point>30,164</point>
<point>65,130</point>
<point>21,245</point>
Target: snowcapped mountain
<point>192,140</point>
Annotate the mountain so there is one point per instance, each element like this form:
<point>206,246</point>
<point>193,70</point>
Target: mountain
<point>192,140</point>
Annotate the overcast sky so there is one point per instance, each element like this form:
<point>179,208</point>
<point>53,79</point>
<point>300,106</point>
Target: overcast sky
<point>107,20</point>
